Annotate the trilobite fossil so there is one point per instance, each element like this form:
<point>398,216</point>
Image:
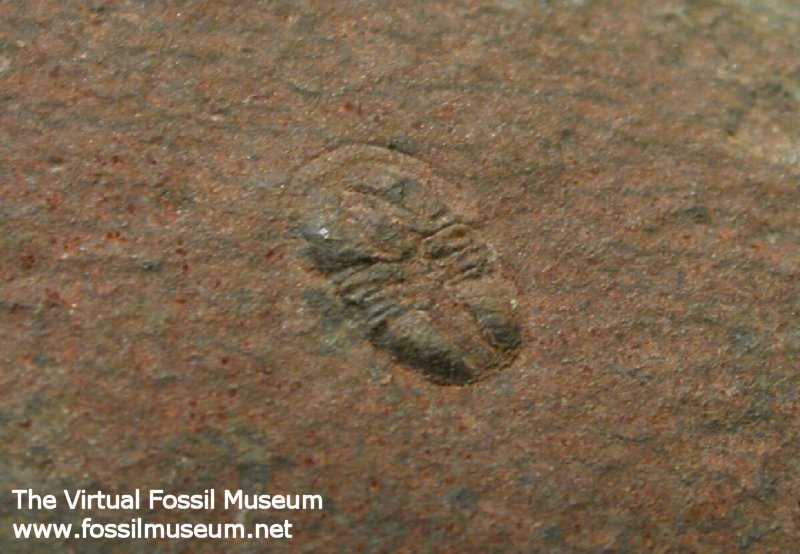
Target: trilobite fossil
<point>399,246</point>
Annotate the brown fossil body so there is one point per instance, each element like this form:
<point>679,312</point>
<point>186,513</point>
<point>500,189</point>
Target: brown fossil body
<point>409,268</point>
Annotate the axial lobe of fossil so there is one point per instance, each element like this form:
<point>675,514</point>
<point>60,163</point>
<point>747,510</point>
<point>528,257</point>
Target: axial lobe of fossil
<point>399,246</point>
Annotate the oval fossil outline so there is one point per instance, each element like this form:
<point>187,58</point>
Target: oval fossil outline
<point>399,246</point>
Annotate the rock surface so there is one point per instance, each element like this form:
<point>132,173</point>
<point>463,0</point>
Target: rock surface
<point>634,165</point>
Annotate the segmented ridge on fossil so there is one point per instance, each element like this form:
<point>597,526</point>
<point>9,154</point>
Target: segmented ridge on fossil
<point>412,271</point>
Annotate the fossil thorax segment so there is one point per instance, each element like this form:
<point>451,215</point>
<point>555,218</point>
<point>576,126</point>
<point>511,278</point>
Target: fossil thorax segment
<point>409,268</point>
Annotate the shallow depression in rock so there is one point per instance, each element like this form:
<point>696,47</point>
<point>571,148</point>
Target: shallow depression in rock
<point>410,270</point>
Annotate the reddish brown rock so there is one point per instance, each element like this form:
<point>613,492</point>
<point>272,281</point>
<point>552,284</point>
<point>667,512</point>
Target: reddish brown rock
<point>632,163</point>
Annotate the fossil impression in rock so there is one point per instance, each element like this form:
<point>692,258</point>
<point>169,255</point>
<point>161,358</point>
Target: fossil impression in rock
<point>399,246</point>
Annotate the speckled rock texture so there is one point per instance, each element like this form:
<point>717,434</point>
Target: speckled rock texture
<point>635,167</point>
